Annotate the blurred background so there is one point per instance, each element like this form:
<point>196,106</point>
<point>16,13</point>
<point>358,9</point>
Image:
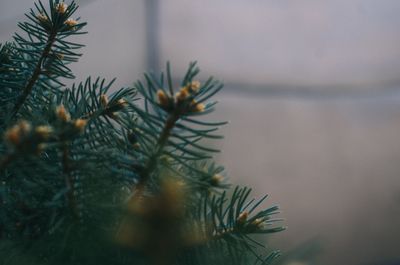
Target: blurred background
<point>312,95</point>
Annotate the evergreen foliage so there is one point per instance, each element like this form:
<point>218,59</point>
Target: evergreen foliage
<point>92,177</point>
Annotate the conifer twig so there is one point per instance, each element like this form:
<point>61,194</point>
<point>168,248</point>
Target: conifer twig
<point>66,169</point>
<point>36,74</point>
<point>161,142</point>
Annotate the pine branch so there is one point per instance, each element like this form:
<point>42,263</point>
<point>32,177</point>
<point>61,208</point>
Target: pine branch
<point>69,183</point>
<point>40,58</point>
<point>161,142</point>
<point>36,74</point>
<point>106,149</point>
<point>174,112</point>
<point>230,221</point>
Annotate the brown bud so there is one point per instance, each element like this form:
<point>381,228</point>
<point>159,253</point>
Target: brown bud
<point>197,107</point>
<point>43,131</point>
<point>62,113</point>
<point>182,94</point>
<point>122,102</point>
<point>258,223</point>
<point>61,7</point>
<point>12,136</point>
<point>80,124</point>
<point>163,99</point>
<point>18,131</point>
<point>200,107</point>
<point>216,179</point>
<point>104,100</point>
<point>42,18</point>
<point>195,86</point>
<point>71,22</point>
<point>242,217</point>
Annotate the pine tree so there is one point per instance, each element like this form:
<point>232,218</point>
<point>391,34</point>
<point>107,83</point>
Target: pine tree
<point>92,177</point>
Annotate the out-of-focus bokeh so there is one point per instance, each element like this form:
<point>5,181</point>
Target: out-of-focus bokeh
<point>312,95</point>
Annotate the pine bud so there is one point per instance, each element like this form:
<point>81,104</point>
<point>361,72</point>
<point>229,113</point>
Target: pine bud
<point>61,7</point>
<point>62,113</point>
<point>42,18</point>
<point>104,100</point>
<point>216,179</point>
<point>258,223</point>
<point>12,135</point>
<point>200,107</point>
<point>197,107</point>
<point>163,99</point>
<point>122,102</point>
<point>242,217</point>
<point>15,134</point>
<point>71,22</point>
<point>80,124</point>
<point>43,131</point>
<point>182,94</point>
<point>195,86</point>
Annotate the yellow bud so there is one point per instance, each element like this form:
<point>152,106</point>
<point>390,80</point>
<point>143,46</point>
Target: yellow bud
<point>104,100</point>
<point>200,107</point>
<point>182,95</point>
<point>41,17</point>
<point>195,86</point>
<point>62,113</point>
<point>258,223</point>
<point>80,124</point>
<point>197,107</point>
<point>71,22</point>
<point>216,179</point>
<point>163,99</point>
<point>15,133</point>
<point>44,131</point>
<point>61,7</point>
<point>122,102</point>
<point>12,135</point>
<point>242,217</point>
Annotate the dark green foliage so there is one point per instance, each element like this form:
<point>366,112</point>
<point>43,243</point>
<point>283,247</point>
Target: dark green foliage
<point>92,177</point>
